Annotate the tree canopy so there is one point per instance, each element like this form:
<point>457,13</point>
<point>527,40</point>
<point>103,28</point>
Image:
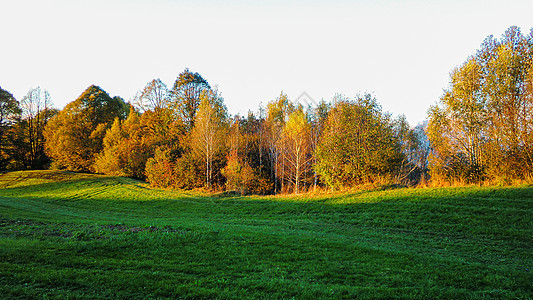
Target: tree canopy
<point>75,135</point>
<point>296,144</point>
<point>480,130</point>
<point>9,114</point>
<point>482,127</point>
<point>9,108</point>
<point>186,94</point>
<point>358,145</point>
<point>155,96</point>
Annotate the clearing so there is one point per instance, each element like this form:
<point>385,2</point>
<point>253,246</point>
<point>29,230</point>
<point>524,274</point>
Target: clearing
<point>75,235</point>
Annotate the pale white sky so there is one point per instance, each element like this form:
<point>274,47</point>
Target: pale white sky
<point>401,51</point>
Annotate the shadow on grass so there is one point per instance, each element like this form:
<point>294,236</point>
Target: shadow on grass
<point>123,196</point>
<point>452,238</point>
<point>57,183</point>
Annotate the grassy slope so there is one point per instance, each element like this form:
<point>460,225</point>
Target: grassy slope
<point>76,235</point>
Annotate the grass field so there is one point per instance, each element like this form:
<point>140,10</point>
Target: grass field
<point>67,235</point>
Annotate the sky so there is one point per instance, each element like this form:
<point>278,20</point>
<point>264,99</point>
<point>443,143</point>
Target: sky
<point>400,51</point>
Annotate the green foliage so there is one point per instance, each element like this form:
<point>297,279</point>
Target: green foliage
<point>75,136</point>
<point>9,113</point>
<point>358,145</point>
<point>66,235</point>
<point>187,172</point>
<point>169,169</point>
<point>279,110</point>
<point>9,108</point>
<point>317,117</point>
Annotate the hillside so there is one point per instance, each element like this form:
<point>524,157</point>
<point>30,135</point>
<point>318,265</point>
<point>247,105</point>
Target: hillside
<point>76,235</point>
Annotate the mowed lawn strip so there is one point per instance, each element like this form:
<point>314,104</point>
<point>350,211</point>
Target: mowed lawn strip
<point>87,236</point>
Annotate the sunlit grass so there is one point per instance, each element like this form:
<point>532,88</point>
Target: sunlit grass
<point>81,235</point>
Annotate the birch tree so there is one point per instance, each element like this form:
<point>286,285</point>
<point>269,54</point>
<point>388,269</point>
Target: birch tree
<point>297,155</point>
<point>209,132</point>
<point>458,126</point>
<point>507,74</point>
<point>318,117</point>
<point>277,114</point>
<point>482,127</point>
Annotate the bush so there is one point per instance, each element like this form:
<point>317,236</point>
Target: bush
<point>159,169</point>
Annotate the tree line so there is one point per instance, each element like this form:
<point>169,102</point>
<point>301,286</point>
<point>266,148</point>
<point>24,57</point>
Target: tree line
<point>183,137</point>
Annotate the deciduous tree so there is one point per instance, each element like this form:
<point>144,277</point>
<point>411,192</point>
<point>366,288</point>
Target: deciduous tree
<point>154,97</point>
<point>185,95</point>
<point>482,127</point>
<point>277,114</point>
<point>9,108</point>
<point>318,117</point>
<point>246,171</point>
<point>506,76</point>
<point>130,143</point>
<point>209,132</point>
<point>36,112</point>
<point>297,154</point>
<point>9,115</point>
<point>415,148</point>
<point>75,135</point>
<point>358,145</point>
<point>457,128</point>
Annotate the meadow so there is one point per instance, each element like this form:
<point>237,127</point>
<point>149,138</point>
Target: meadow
<point>71,235</point>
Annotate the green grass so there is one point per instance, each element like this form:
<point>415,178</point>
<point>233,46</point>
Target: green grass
<point>67,235</point>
